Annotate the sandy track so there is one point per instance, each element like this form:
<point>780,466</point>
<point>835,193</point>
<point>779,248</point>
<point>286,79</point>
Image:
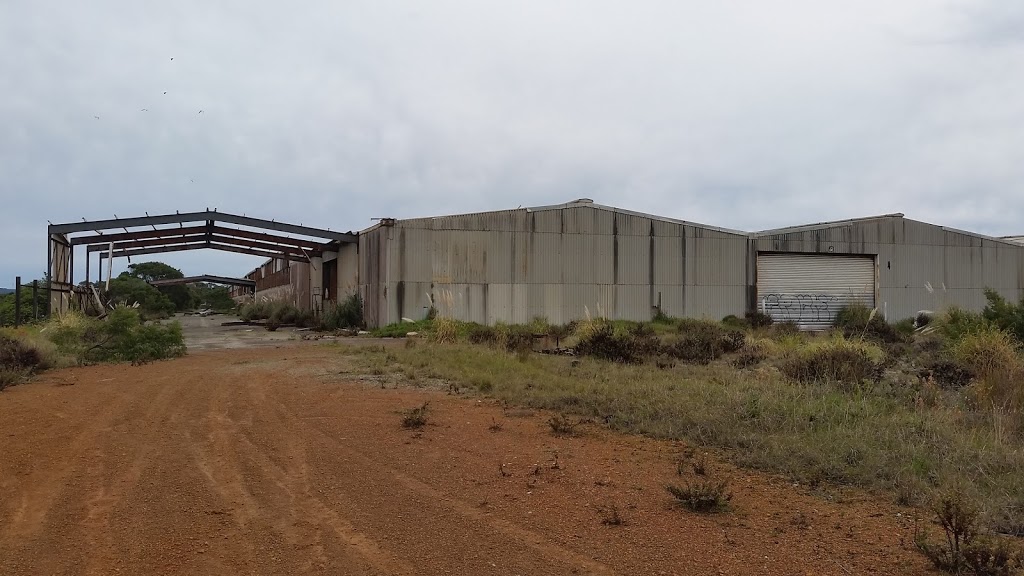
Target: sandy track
<point>268,461</point>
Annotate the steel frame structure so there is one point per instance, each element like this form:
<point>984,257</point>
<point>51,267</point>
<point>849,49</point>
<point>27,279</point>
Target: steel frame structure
<point>272,242</point>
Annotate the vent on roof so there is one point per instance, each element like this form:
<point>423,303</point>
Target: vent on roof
<point>582,201</point>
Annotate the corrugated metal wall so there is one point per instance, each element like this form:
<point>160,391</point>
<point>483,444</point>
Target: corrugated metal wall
<point>559,263</point>
<point>920,266</point>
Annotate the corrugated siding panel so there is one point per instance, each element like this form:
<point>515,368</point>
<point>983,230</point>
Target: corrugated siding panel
<point>667,229</point>
<point>629,225</point>
<point>633,303</point>
<point>809,289</point>
<point>545,259</point>
<point>633,260</point>
<point>668,260</point>
<point>673,301</point>
<point>547,221</point>
<point>498,257</point>
<point>715,302</point>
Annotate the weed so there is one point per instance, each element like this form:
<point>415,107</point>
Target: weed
<point>415,417</point>
<point>835,360</point>
<point>758,320</point>
<point>610,515</point>
<point>495,426</point>
<point>993,356</point>
<point>347,314</point>
<point>445,330</point>
<point>562,425</point>
<point>704,496</point>
<point>700,466</point>
<point>965,547</point>
<point>600,341</point>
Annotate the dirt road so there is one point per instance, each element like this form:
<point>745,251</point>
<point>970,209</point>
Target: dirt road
<point>275,461</point>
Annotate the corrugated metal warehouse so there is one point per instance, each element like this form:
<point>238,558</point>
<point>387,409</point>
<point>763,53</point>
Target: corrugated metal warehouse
<point>555,261</point>
<point>563,261</point>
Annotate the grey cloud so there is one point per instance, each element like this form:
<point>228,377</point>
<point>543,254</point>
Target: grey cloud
<point>748,115</point>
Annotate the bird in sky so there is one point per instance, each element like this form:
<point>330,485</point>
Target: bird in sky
<point>96,117</point>
<point>144,110</point>
<point>165,91</point>
<point>200,111</point>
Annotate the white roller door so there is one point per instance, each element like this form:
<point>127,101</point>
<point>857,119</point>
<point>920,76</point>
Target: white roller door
<point>809,289</point>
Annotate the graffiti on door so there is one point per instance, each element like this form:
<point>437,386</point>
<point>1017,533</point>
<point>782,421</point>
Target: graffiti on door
<point>801,308</point>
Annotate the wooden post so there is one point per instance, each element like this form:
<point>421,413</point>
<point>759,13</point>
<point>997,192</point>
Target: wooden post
<point>17,301</point>
<point>110,264</point>
<point>35,300</point>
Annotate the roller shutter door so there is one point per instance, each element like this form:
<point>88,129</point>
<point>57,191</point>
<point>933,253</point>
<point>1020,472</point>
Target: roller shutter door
<point>809,289</point>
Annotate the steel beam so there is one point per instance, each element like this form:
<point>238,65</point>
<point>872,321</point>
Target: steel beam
<point>205,216</point>
<point>149,243</point>
<point>273,238</point>
<point>200,246</point>
<point>140,235</point>
<point>245,282</point>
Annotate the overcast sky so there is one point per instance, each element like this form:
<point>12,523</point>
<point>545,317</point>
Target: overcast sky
<point>743,114</point>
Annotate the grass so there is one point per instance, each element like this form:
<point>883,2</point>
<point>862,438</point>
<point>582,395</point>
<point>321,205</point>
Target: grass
<point>877,435</point>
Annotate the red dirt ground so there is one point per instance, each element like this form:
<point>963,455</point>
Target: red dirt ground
<point>267,461</point>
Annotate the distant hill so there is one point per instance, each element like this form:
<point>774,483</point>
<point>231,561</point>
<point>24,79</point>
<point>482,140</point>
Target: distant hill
<point>6,291</point>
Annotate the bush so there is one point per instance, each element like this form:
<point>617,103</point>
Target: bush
<point>993,356</point>
<point>481,334</point>
<point>703,496</point>
<point>965,549</point>
<point>948,373</point>
<point>956,322</point>
<point>755,351</point>
<point>702,341</point>
<point>1004,315</point>
<point>600,341</point>
<point>734,321</point>
<point>859,320</point>
<point>415,417</point>
<point>758,319</point>
<point>835,359</point>
<point>347,314</point>
<point>446,330</point>
<point>121,337</point>
<point>18,359</point>
<point>513,338</point>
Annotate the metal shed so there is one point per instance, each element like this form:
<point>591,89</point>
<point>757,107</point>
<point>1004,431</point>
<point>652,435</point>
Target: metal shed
<point>560,262</point>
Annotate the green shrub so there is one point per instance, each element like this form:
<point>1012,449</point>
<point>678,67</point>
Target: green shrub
<point>755,351</point>
<point>857,320</point>
<point>446,330</point>
<point>758,319</point>
<point>121,337</point>
<point>965,548</point>
<point>513,338</point>
<point>734,321</point>
<point>993,356</point>
<point>836,360</point>
<point>600,341</point>
<point>347,314</point>
<point>956,322</point>
<point>1004,315</point>
<point>482,334</point>
<point>703,341</point>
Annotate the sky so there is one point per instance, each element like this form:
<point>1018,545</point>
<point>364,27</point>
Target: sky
<point>744,114</point>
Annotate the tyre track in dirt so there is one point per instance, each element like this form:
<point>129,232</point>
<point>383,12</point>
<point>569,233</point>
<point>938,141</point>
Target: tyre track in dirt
<point>437,504</point>
<point>240,462</point>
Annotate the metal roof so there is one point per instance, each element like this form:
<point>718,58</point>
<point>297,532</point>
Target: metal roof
<point>581,203</point>
<point>823,225</point>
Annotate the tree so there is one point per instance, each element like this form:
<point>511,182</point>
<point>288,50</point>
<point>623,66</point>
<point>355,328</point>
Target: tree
<point>212,296</point>
<point>150,271</point>
<point>129,289</point>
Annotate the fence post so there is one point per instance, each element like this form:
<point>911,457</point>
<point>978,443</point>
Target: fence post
<point>35,300</point>
<point>17,301</point>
